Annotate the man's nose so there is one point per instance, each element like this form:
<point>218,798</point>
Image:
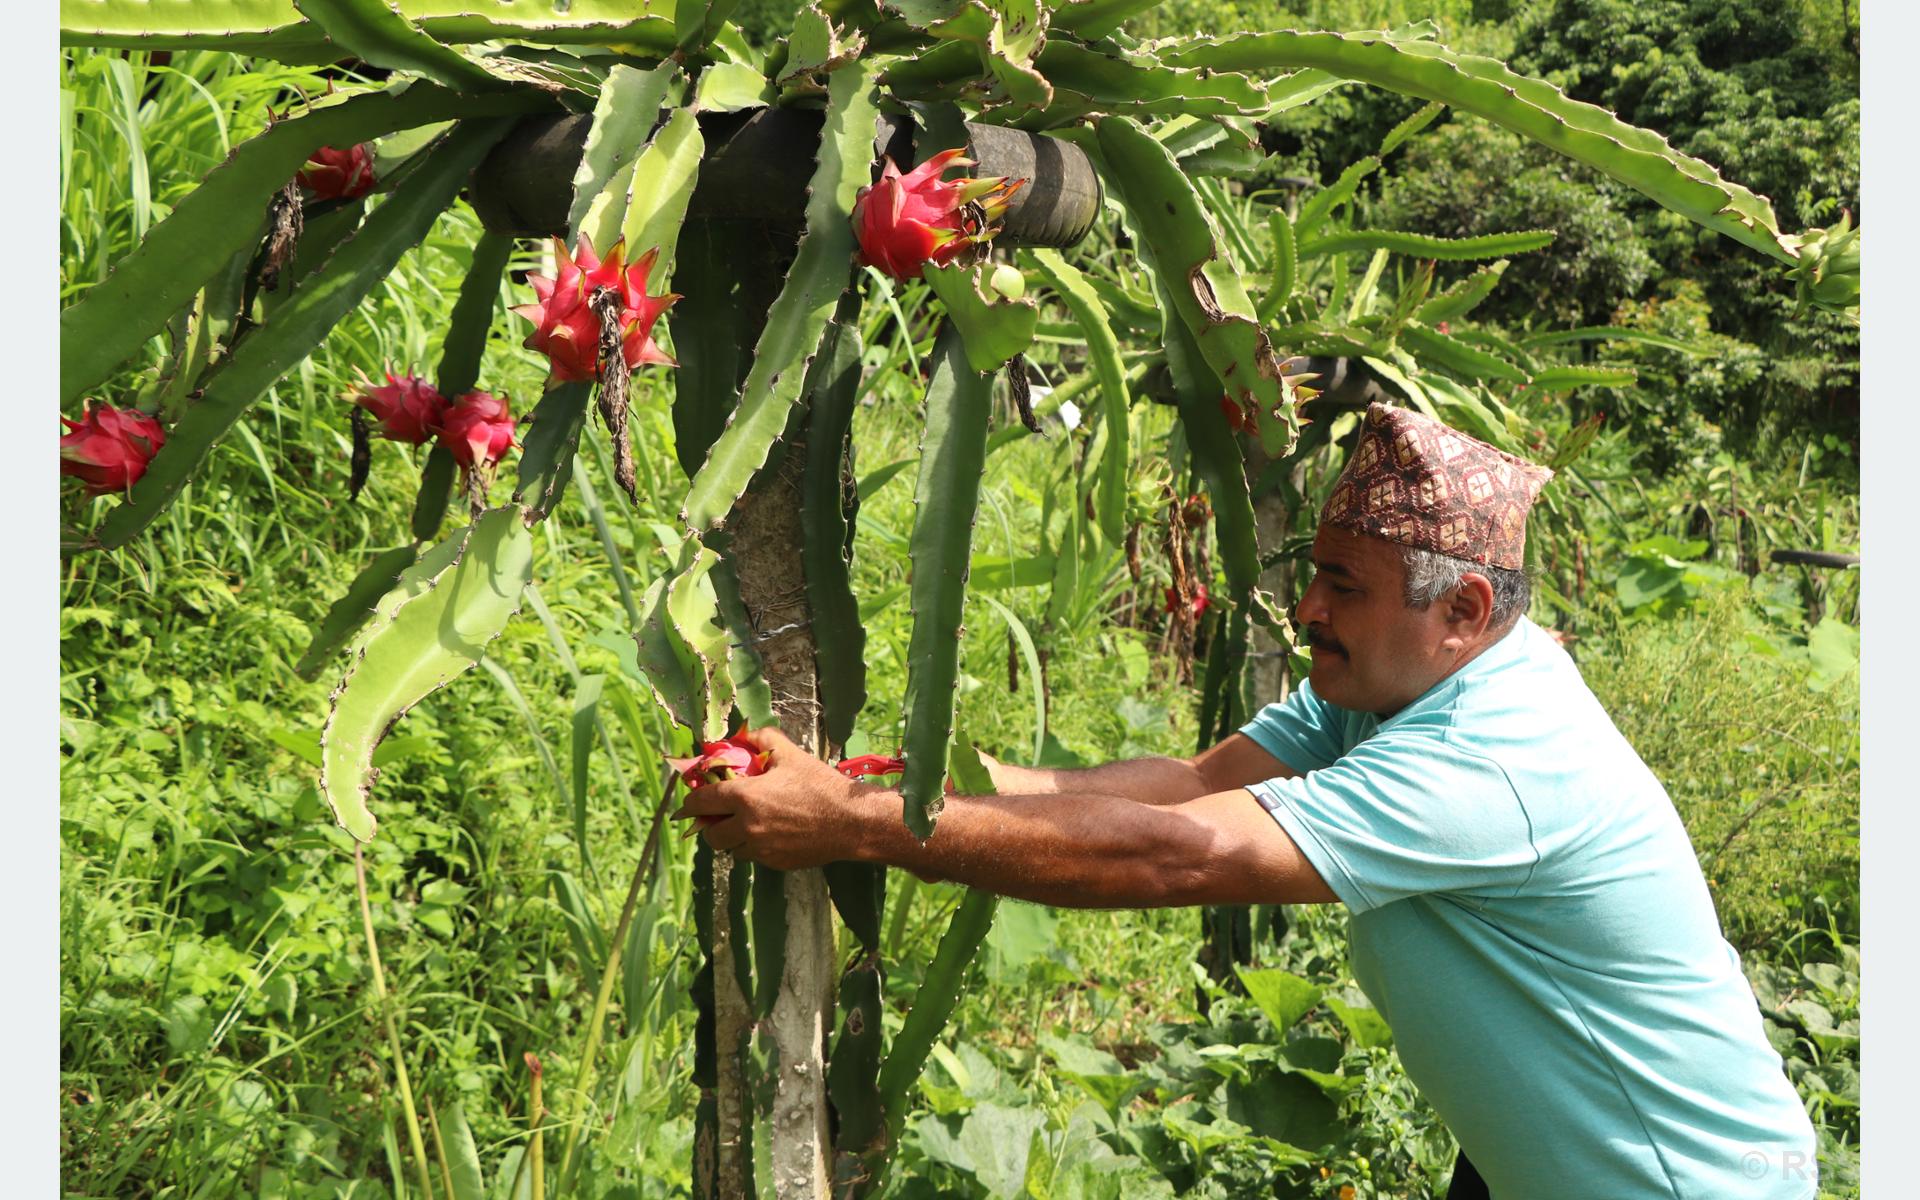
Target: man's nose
<point>1312,609</point>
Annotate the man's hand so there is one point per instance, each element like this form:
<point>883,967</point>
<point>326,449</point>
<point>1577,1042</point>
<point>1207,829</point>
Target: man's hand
<point>798,813</point>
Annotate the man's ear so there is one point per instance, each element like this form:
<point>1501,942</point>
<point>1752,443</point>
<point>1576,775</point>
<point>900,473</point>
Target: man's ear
<point>1469,610</point>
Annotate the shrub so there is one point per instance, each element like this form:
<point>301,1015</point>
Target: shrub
<point>1764,770</point>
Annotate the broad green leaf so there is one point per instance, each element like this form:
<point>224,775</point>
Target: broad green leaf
<point>1284,997</point>
<point>1363,1024</point>
<point>1284,1106</point>
<point>1834,649</point>
<point>463,1159</point>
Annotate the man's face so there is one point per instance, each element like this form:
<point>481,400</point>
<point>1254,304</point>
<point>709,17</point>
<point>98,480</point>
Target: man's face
<point>1371,653</point>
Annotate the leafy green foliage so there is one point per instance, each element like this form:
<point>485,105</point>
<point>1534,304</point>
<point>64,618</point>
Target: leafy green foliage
<point>1468,179</point>
<point>1773,96</point>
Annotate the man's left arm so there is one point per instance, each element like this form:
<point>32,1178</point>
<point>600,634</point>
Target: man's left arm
<point>1234,763</point>
<point>1078,850</point>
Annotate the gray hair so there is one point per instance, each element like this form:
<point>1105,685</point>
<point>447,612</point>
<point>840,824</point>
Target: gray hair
<point>1431,575</point>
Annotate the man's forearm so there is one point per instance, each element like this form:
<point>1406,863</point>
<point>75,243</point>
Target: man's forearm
<point>1152,780</point>
<point>1080,850</point>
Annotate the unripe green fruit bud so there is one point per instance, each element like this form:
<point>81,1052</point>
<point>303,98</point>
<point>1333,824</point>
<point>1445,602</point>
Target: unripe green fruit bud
<point>1008,281</point>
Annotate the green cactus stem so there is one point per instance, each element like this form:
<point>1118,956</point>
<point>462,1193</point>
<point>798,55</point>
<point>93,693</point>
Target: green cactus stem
<point>1420,245</point>
<point>1103,352</point>
<point>1217,459</point>
<point>1533,108</point>
<point>1178,235</point>
<point>277,29</point>
<point>800,312</point>
<point>352,611</point>
<point>460,355</point>
<point>436,624</point>
<point>840,639</point>
<point>939,989</point>
<point>1463,296</point>
<point>552,439</point>
<point>376,33</point>
<point>953,451</point>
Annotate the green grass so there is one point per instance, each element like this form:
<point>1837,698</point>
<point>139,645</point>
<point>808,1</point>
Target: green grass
<point>219,1035</point>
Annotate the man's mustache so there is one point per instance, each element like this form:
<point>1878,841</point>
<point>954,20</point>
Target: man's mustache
<point>1321,641</point>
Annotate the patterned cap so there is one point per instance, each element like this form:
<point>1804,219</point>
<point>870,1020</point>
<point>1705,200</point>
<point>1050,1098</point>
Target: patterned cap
<point>1418,482</point>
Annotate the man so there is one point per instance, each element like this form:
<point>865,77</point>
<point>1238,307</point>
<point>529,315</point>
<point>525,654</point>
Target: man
<point>1527,911</point>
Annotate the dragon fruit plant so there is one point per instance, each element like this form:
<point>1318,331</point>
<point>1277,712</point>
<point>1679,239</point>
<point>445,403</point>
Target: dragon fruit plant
<point>765,532</point>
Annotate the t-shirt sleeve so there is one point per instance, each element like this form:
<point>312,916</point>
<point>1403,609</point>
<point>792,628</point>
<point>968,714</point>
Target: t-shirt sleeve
<point>1302,731</point>
<point>1406,815</point>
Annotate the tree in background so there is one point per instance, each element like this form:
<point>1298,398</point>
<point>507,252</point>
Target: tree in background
<point>1770,91</point>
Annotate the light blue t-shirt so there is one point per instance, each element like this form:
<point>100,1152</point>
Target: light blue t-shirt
<point>1529,916</point>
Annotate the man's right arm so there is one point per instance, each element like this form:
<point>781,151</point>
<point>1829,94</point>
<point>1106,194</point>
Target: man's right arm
<point>1237,762</point>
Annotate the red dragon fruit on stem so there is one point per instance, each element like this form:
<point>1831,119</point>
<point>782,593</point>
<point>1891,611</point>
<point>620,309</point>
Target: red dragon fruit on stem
<point>906,221</point>
<point>567,330</point>
<point>108,448</point>
<point>730,756</point>
<point>1200,601</point>
<point>407,408</point>
<point>476,430</point>
<point>864,765</point>
<point>335,174</point>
